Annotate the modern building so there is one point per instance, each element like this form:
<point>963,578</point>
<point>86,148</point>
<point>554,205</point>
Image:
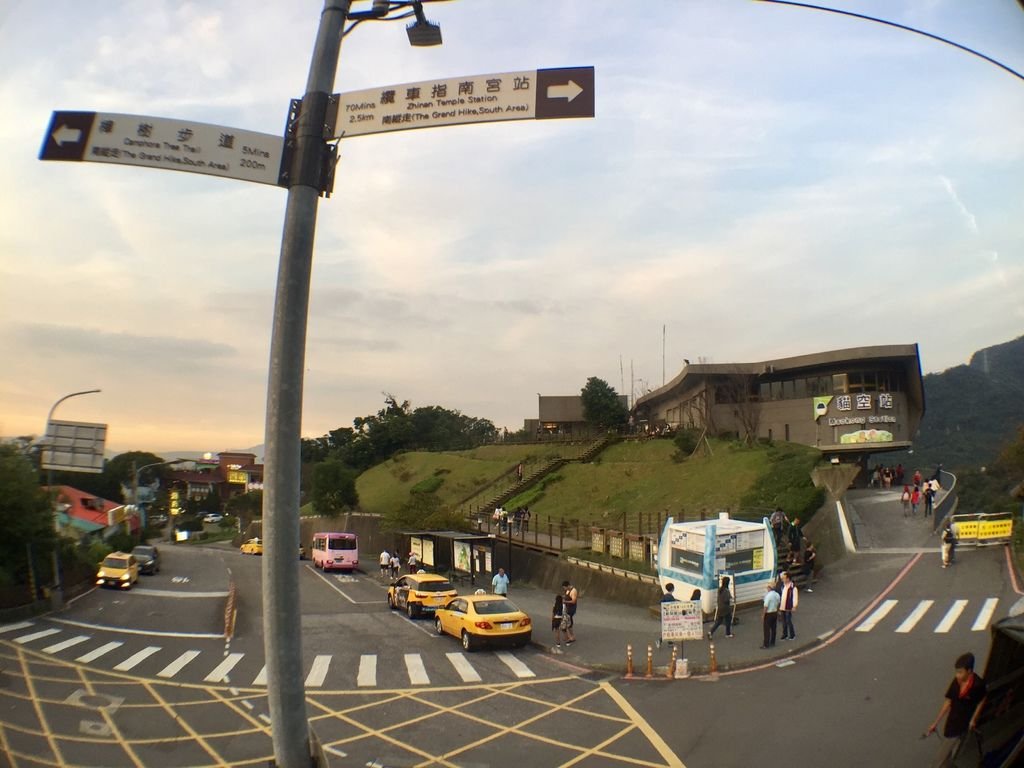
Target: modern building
<point>847,402</point>
<point>562,416</point>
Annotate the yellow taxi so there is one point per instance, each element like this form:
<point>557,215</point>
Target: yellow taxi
<point>252,547</point>
<point>420,593</point>
<point>118,569</point>
<point>483,619</point>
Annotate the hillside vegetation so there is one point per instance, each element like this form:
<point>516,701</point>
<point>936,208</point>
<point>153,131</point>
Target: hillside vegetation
<point>629,483</point>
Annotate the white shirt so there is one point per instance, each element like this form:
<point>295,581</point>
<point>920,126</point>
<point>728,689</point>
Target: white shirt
<point>385,558</point>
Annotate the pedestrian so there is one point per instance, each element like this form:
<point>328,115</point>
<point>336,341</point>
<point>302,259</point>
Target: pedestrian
<point>777,520</point>
<point>917,477</point>
<point>396,565</point>
<point>788,601</point>
<point>810,555</point>
<point>669,595</point>
<point>770,615</point>
<point>570,599</point>
<point>965,698</point>
<point>796,537</point>
<point>948,543</point>
<point>905,500</point>
<point>385,564</point>
<point>723,614</point>
<point>558,622</point>
<point>499,584</point>
<point>413,562</point>
<point>526,519</point>
<point>915,499</point>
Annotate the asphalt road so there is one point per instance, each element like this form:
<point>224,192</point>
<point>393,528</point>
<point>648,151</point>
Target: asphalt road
<point>146,678</point>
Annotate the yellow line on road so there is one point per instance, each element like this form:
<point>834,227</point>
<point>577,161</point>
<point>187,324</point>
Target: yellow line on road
<point>645,728</point>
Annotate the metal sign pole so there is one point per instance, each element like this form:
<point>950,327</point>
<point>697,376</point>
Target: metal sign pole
<point>282,620</point>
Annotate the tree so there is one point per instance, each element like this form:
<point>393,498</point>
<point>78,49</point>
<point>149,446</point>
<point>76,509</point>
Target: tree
<point>25,518</point>
<point>334,487</point>
<point>602,407</point>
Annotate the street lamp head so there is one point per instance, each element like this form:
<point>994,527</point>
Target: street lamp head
<point>422,32</point>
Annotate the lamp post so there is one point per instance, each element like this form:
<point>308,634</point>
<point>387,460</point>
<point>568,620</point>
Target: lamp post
<point>281,616</point>
<point>57,596</point>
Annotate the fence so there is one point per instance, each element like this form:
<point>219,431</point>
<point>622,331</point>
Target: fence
<point>981,529</point>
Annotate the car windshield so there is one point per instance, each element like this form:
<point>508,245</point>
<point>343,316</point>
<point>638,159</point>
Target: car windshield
<point>487,607</point>
<point>115,562</point>
<point>144,551</point>
<point>433,586</point>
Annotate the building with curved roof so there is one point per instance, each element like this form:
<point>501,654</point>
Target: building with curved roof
<point>847,402</point>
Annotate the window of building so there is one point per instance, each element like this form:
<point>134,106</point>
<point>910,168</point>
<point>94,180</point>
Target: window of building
<point>840,383</point>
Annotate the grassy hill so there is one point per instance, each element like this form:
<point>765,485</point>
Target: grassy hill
<point>628,483</point>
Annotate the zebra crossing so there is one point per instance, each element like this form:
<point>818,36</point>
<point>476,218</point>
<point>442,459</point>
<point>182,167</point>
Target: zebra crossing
<point>921,617</point>
<point>412,669</point>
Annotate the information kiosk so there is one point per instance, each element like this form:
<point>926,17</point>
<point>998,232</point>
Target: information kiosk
<point>697,554</point>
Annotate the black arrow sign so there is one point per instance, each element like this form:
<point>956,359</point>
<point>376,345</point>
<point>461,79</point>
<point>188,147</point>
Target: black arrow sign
<point>67,136</point>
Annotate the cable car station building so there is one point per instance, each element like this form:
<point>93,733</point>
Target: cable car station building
<point>847,403</point>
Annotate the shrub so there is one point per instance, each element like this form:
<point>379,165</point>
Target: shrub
<point>428,485</point>
<point>787,483</point>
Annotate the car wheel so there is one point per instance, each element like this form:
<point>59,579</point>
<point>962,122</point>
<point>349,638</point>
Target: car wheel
<point>391,602</point>
<point>467,641</point>
<point>438,626</point>
<point>412,610</point>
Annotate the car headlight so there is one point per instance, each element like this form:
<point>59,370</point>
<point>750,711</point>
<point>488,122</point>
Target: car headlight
<point>125,576</point>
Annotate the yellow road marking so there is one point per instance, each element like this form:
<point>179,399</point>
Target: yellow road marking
<point>645,728</point>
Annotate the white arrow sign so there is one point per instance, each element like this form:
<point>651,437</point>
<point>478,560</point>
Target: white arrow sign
<point>568,91</point>
<point>65,135</point>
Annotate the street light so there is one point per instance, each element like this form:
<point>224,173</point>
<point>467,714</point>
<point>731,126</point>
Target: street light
<point>282,624</point>
<point>57,596</point>
<point>422,32</point>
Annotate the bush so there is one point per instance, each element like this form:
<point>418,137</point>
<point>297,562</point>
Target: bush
<point>428,485</point>
<point>686,443</point>
<point>787,483</point>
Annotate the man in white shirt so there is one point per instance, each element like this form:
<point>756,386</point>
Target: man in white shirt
<point>499,583</point>
<point>385,563</point>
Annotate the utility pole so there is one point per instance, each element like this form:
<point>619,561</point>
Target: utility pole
<point>282,619</point>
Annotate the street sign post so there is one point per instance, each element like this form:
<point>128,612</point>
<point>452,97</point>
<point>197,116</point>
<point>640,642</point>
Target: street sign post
<point>535,94</point>
<point>170,144</point>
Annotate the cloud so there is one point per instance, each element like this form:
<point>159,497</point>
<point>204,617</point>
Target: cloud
<point>969,218</point>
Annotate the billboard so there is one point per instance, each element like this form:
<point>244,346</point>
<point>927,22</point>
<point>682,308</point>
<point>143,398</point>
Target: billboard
<point>74,446</point>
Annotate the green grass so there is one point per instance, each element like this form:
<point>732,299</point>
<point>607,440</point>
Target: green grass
<point>452,476</point>
<point>630,483</point>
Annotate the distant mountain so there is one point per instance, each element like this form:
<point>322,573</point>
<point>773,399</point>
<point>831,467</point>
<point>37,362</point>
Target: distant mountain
<point>971,411</point>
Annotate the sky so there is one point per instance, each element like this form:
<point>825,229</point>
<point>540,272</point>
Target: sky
<point>759,181</point>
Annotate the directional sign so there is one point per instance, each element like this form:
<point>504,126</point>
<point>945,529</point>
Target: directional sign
<point>157,142</point>
<point>536,94</point>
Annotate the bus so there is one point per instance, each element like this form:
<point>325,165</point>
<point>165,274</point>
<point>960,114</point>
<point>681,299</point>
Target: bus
<point>336,551</point>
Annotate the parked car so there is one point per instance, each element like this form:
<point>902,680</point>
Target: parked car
<point>148,557</point>
<point>252,547</point>
<point>212,517</point>
<point>420,593</point>
<point>486,619</point>
<point>118,569</point>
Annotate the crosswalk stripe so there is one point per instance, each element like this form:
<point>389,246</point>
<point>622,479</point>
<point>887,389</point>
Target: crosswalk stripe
<point>137,658</point>
<point>985,615</point>
<point>15,627</point>
<point>261,678</point>
<point>318,672</point>
<point>58,647</point>
<point>518,668</point>
<point>417,672</point>
<point>880,613</point>
<point>916,615</point>
<point>178,664</point>
<point>36,635</point>
<point>951,616</point>
<point>367,671</point>
<point>97,652</point>
<point>463,667</point>
<point>220,674</point>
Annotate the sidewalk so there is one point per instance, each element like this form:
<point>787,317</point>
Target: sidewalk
<point>604,629</point>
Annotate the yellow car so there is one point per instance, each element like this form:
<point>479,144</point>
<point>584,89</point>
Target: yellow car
<point>420,593</point>
<point>118,569</point>
<point>252,547</point>
<point>479,620</point>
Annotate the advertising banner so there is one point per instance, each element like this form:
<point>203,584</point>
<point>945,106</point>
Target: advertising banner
<point>682,620</point>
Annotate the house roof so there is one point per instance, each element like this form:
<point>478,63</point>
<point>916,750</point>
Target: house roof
<point>86,511</point>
